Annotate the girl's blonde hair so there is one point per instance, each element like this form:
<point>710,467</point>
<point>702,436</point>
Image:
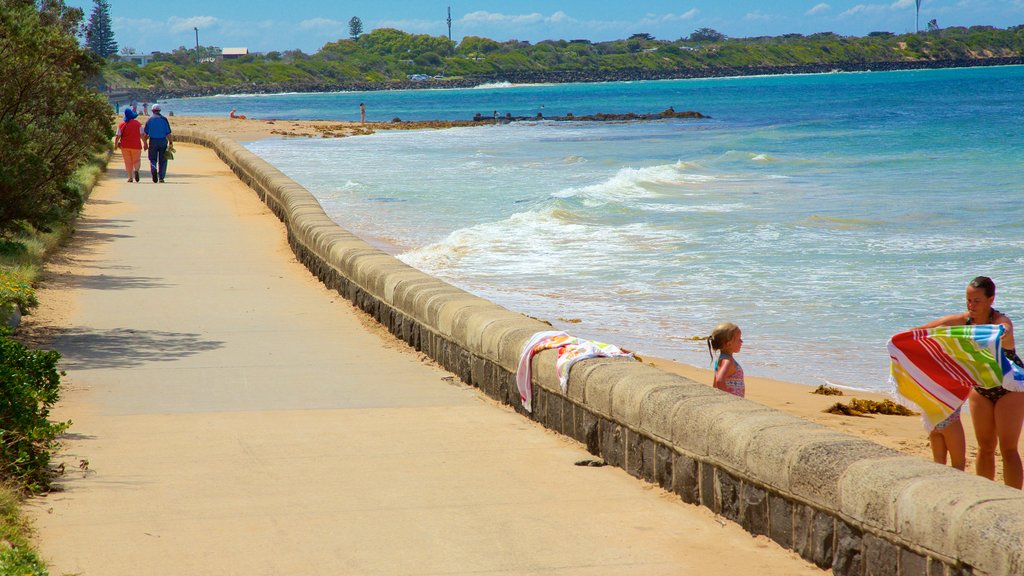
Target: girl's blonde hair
<point>720,336</point>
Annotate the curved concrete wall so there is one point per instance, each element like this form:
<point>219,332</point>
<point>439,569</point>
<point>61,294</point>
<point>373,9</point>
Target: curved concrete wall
<point>839,501</point>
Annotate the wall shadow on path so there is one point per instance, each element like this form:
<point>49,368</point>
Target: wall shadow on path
<point>84,348</point>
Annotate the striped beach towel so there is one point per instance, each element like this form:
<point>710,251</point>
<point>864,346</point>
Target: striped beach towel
<point>934,369</point>
<point>570,350</point>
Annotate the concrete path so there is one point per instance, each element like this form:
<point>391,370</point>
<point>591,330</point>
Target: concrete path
<point>239,418</point>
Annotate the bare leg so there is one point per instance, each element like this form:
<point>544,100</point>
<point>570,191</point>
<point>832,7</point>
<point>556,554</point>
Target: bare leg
<point>1009,416</point>
<point>983,416</point>
<point>956,444</point>
<point>938,447</point>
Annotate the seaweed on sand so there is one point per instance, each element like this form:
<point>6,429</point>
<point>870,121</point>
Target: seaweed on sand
<point>864,407</point>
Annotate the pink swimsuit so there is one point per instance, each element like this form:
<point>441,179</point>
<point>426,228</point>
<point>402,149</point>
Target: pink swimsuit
<point>733,384</point>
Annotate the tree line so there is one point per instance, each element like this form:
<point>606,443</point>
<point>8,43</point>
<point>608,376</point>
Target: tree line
<point>387,54</point>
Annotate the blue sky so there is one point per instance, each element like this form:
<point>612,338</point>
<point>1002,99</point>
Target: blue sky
<point>264,25</point>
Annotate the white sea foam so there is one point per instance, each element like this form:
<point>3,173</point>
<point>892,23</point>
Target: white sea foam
<point>710,208</point>
<point>493,85</point>
<point>632,183</point>
<point>550,240</point>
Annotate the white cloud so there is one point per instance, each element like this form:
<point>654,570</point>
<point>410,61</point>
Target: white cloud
<point>757,15</point>
<point>897,5</point>
<point>818,9</point>
<point>246,29</point>
<point>434,27</point>
<point>863,9</point>
<point>183,24</point>
<point>651,19</point>
<point>483,17</point>
<point>137,24</point>
<point>320,24</point>
<point>559,17</point>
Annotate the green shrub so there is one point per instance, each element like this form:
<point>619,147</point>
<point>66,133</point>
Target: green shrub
<point>15,289</point>
<point>20,559</point>
<point>21,562</point>
<point>27,437</point>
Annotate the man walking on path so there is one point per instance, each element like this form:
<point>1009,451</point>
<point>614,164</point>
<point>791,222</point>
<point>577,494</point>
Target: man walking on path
<point>157,138</point>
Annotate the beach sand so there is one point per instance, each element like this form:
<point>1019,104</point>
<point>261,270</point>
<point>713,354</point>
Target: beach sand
<point>248,130</point>
<point>903,433</point>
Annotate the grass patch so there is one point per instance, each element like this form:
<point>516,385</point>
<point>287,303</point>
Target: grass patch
<point>22,253</point>
<point>864,407</point>
<point>17,557</point>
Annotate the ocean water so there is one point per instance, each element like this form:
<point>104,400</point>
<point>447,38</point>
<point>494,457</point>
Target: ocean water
<point>821,213</point>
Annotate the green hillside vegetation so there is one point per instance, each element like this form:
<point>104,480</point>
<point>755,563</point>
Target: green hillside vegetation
<point>387,54</point>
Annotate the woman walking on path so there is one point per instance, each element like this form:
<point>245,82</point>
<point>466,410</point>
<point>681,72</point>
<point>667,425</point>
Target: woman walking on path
<point>129,140</point>
<point>997,413</point>
<point>156,139</point>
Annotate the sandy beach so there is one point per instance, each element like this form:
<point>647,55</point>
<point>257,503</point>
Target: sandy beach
<point>247,130</point>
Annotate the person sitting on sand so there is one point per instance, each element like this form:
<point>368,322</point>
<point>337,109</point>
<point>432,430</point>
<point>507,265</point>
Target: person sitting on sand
<point>233,115</point>
<point>997,413</point>
<point>727,339</point>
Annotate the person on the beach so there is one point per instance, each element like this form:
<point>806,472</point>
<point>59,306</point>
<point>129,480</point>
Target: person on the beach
<point>948,438</point>
<point>237,116</point>
<point>997,413</point>
<point>129,140</point>
<point>362,113</point>
<point>727,339</point>
<point>156,138</point>
<point>144,111</point>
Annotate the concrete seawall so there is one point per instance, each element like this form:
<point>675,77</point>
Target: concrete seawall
<point>840,502</point>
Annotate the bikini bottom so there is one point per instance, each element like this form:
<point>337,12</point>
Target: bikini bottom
<point>992,394</point>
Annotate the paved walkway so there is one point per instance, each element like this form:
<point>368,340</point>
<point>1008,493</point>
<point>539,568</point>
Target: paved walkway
<point>239,418</point>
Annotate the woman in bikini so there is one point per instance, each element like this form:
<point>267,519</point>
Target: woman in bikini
<point>997,413</point>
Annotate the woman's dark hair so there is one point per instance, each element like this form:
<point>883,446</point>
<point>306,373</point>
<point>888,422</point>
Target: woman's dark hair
<point>986,284</point>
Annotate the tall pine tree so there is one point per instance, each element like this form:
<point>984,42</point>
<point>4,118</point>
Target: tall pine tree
<point>99,35</point>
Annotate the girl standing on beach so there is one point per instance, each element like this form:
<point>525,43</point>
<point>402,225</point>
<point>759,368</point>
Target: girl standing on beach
<point>727,339</point>
<point>948,438</point>
<point>997,413</point>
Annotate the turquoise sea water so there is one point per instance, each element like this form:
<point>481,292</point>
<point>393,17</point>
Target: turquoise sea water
<point>822,213</point>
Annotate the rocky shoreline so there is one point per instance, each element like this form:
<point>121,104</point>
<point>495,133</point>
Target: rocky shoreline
<point>561,77</point>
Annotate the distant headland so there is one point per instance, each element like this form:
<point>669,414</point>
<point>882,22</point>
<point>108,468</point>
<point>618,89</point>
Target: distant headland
<point>389,59</point>
<point>555,77</point>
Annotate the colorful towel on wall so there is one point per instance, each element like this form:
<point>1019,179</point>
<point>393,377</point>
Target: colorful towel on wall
<point>935,369</point>
<point>570,350</point>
